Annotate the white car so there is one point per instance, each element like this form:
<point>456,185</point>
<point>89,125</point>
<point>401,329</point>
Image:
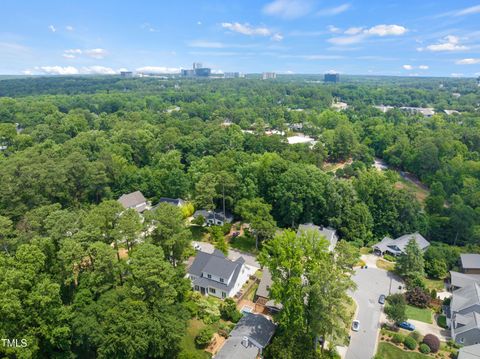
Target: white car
<point>355,325</point>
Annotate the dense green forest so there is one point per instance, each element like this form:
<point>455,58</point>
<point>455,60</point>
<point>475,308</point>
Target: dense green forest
<point>70,146</point>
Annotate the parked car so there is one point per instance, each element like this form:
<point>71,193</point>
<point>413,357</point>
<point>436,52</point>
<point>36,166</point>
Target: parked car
<point>355,325</point>
<point>407,326</point>
<point>381,299</point>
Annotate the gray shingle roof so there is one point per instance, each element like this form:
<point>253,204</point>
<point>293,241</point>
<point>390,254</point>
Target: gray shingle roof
<point>469,352</point>
<point>470,261</point>
<point>329,233</point>
<point>173,201</point>
<point>218,214</point>
<point>257,328</point>
<point>465,297</point>
<point>397,246</point>
<point>216,264</point>
<point>134,200</point>
<point>461,280</point>
<point>265,283</point>
<point>468,322</point>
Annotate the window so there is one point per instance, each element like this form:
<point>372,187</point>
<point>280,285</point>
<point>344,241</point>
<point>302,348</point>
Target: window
<point>211,290</point>
<point>224,295</point>
<point>221,280</point>
<point>209,276</point>
<point>461,340</point>
<point>196,287</point>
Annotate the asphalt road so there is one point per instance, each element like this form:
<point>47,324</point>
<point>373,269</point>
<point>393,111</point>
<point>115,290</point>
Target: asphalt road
<point>371,282</point>
<point>233,254</point>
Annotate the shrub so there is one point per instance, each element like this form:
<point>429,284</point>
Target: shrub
<point>432,341</point>
<point>433,294</point>
<point>418,297</point>
<point>416,335</point>
<point>390,258</point>
<point>442,321</point>
<point>415,281</point>
<point>228,310</point>
<point>398,338</point>
<point>192,308</point>
<point>410,343</point>
<point>424,348</point>
<point>204,337</point>
<point>200,220</point>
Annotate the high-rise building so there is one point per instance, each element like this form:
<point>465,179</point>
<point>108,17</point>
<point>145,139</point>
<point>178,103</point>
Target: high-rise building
<point>197,65</point>
<point>331,77</point>
<point>233,75</point>
<point>202,71</point>
<point>126,74</point>
<point>269,75</point>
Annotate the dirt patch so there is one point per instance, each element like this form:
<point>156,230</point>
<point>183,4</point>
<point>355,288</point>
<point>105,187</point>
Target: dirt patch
<point>216,344</point>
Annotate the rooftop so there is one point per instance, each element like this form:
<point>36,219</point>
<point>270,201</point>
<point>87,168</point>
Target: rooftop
<point>398,245</point>
<point>469,352</point>
<point>134,200</point>
<point>461,280</point>
<point>259,331</point>
<point>470,261</point>
<point>330,234</point>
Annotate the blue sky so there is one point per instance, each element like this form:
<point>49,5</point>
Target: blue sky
<point>387,37</point>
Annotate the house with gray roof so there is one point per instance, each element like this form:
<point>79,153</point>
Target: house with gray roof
<point>397,246</point>
<point>247,340</point>
<point>460,280</point>
<point>328,233</point>
<point>463,316</point>
<point>469,352</point>
<point>214,274</point>
<point>470,263</point>
<point>135,200</point>
<point>214,218</point>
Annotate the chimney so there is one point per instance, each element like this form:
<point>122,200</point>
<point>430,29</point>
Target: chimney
<point>245,342</point>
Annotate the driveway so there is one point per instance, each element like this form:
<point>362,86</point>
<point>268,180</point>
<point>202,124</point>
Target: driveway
<point>371,282</point>
<point>425,328</point>
<point>233,254</point>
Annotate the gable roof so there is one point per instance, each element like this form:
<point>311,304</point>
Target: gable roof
<point>470,260</point>
<point>218,215</point>
<point>134,200</point>
<point>173,201</point>
<point>398,245</point>
<point>461,280</point>
<point>465,297</point>
<point>218,265</point>
<point>259,331</point>
<point>329,233</point>
<point>467,322</point>
<point>265,283</point>
<point>469,352</point>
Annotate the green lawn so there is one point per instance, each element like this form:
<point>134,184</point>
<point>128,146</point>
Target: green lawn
<point>436,284</point>
<point>244,243</point>
<point>383,264</point>
<point>389,351</point>
<point>198,233</point>
<point>422,315</point>
<point>366,250</point>
<point>188,342</point>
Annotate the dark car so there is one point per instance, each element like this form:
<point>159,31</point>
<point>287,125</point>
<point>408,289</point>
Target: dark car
<point>407,326</point>
<point>381,299</point>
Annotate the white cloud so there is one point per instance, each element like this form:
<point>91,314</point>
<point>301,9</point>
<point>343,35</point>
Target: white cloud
<point>423,67</point>
<point>96,53</point>
<point>358,34</point>
<point>147,26</point>
<point>408,67</point>
<point>387,30</point>
<point>100,70</point>
<point>277,37</point>
<point>448,43</point>
<point>52,28</point>
<point>334,29</point>
<point>334,10</point>
<point>159,70</point>
<point>247,29</point>
<point>353,30</point>
<point>468,11</point>
<point>469,61</point>
<point>199,23</point>
<point>56,70</point>
<point>69,28</point>
<point>288,9</point>
<point>70,70</point>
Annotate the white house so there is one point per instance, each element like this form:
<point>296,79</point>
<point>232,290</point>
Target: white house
<point>214,274</point>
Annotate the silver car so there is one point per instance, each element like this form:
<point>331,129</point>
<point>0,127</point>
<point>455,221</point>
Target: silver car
<point>355,325</point>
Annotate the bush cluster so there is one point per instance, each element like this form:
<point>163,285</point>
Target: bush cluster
<point>432,341</point>
<point>410,343</point>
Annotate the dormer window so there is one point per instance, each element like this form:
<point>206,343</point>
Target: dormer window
<point>209,276</point>
<point>221,280</point>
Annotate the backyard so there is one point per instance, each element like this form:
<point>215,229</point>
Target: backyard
<point>420,314</point>
<point>189,348</point>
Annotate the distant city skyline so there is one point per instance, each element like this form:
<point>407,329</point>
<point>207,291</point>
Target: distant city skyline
<point>400,38</point>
